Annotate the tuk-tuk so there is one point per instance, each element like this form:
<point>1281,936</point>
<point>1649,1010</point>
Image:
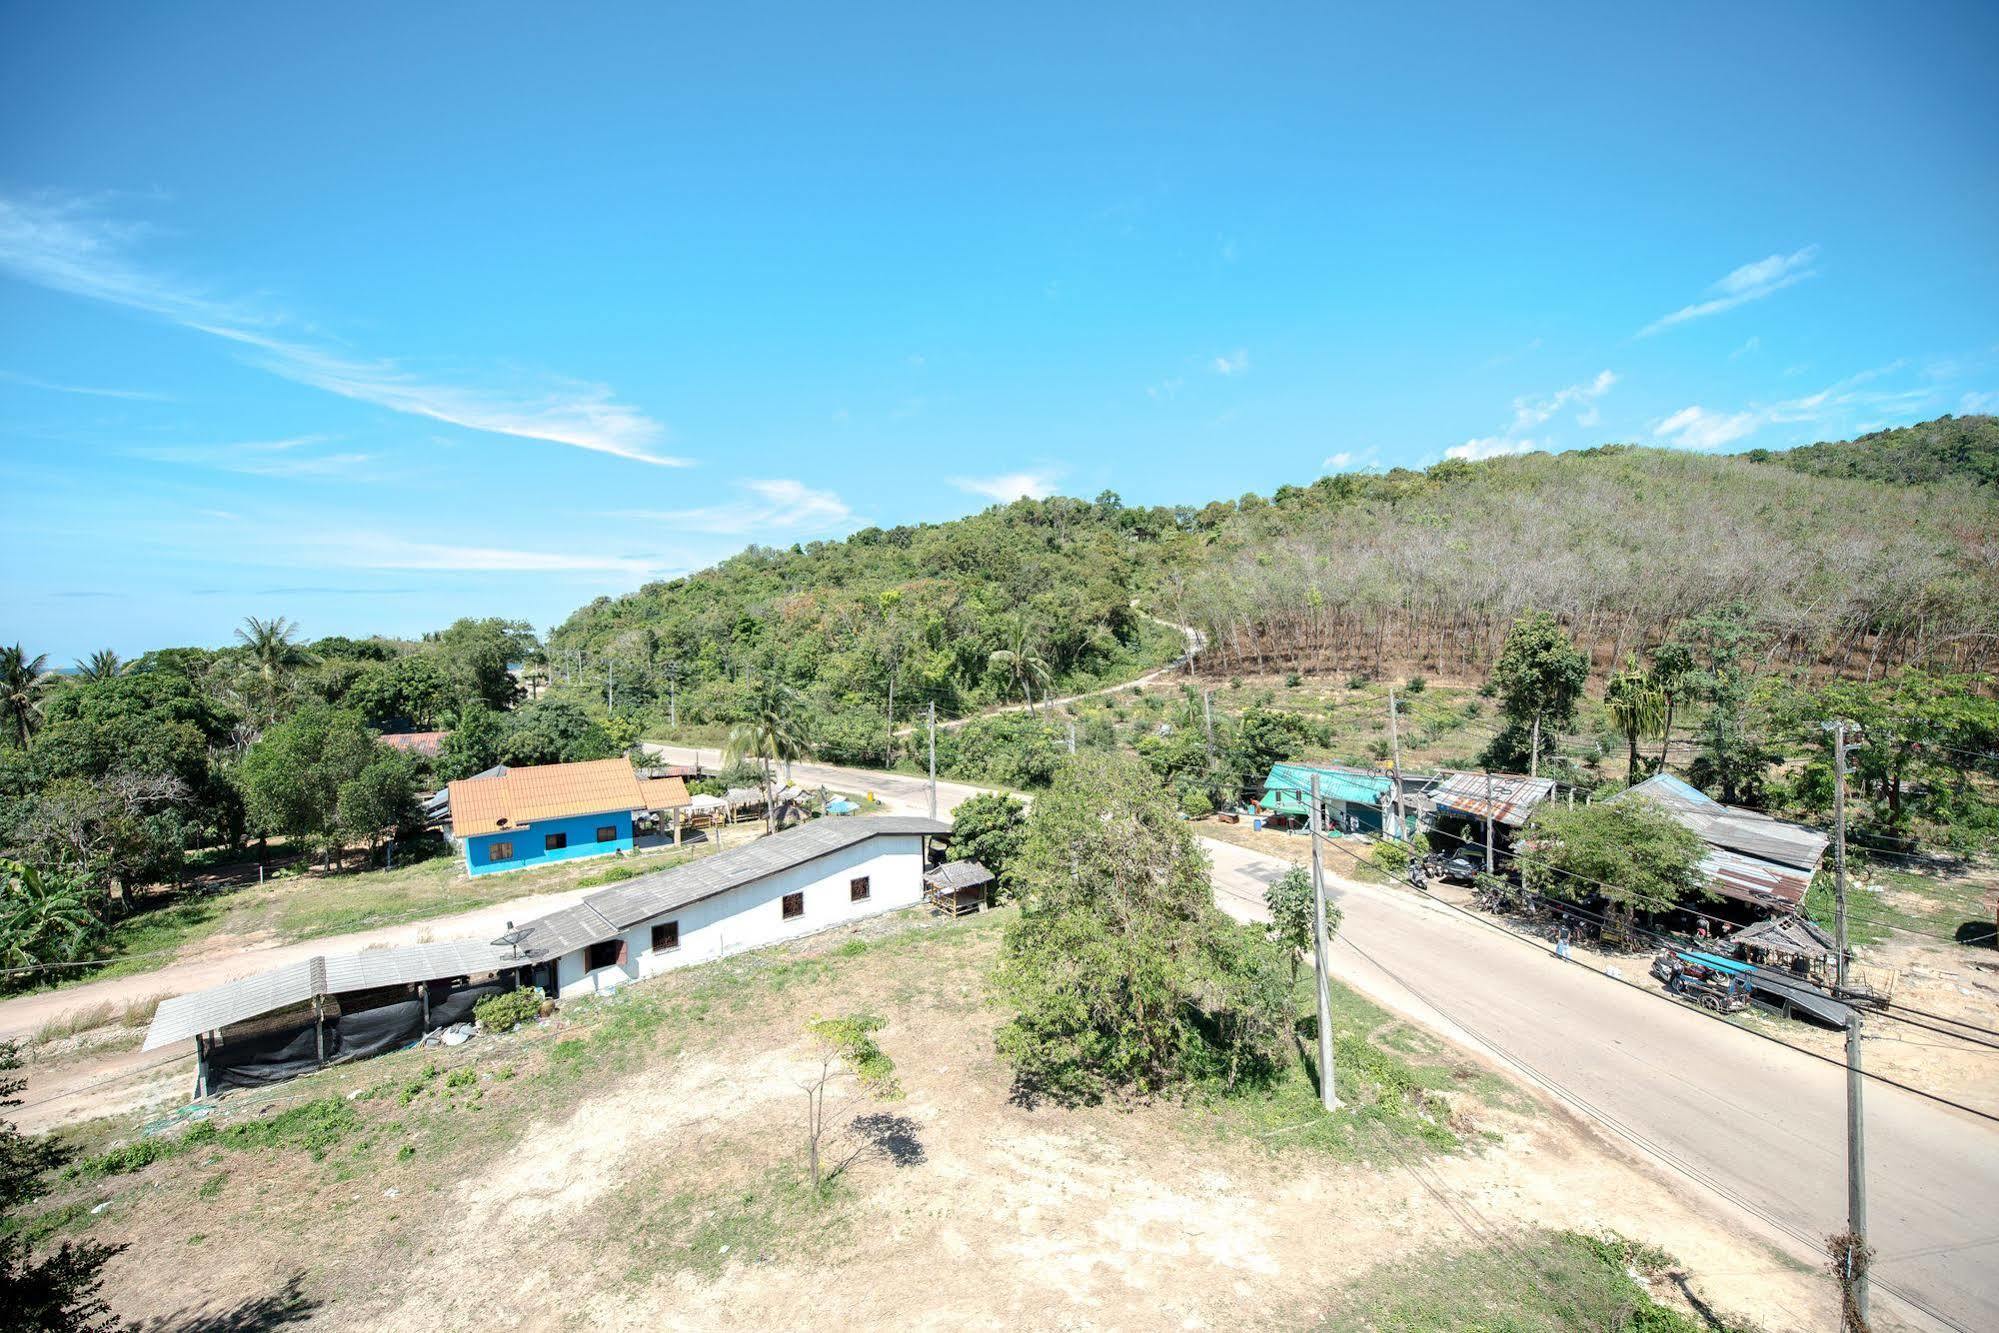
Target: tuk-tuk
<point>1702,979</point>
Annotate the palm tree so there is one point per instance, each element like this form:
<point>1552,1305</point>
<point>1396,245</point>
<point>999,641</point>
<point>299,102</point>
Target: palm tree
<point>275,651</point>
<point>1637,707</point>
<point>23,681</point>
<point>1672,671</point>
<point>773,733</point>
<point>1019,660</point>
<point>100,665</point>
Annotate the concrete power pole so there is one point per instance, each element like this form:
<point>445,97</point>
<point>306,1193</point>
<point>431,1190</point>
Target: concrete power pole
<point>1853,1315</point>
<point>1328,1097</point>
<point>933,759</point>
<point>1488,823</point>
<point>1395,765</point>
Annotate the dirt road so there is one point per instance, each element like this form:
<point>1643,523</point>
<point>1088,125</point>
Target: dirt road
<point>1751,1129</point>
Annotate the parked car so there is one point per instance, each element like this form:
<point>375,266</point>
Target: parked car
<point>1461,868</point>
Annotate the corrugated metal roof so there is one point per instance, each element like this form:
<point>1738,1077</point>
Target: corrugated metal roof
<point>1787,934</point>
<point>183,1016</point>
<point>520,796</point>
<point>1750,832</point>
<point>1288,788</point>
<point>1513,797</point>
<point>605,913</point>
<point>597,917</point>
<point>1749,879</point>
<point>955,875</point>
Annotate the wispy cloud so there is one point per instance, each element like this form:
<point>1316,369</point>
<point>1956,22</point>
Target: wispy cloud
<point>1697,427</point>
<point>1166,388</point>
<point>1534,410</point>
<point>1009,486</point>
<point>67,245</point>
<point>1231,363</point>
<point>134,395</point>
<point>1349,460</point>
<point>1490,446</point>
<point>778,505</point>
<point>1751,282</point>
<point>1979,402</point>
<point>296,458</point>
<point>1754,344</point>
<point>376,550</point>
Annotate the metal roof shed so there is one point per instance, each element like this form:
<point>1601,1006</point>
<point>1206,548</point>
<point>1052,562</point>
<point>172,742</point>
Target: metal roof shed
<point>1509,797</point>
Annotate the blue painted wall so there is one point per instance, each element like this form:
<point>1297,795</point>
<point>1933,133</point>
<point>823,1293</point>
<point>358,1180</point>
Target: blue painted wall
<point>530,843</point>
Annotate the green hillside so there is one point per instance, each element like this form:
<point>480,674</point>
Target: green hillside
<point>1945,450</point>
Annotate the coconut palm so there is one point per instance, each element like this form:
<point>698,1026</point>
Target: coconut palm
<point>275,652</point>
<point>1637,707</point>
<point>773,733</point>
<point>1019,660</point>
<point>100,665</point>
<point>23,681</point>
<point>1673,674</point>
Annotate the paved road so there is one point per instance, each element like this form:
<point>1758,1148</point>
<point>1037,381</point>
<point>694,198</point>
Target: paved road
<point>1762,1123</point>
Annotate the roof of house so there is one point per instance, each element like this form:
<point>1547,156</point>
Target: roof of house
<point>520,796</point>
<point>953,876</point>
<point>597,917</point>
<point>1751,857</point>
<point>668,793</point>
<point>184,1016</point>
<point>1512,797</point>
<point>1788,934</point>
<point>416,742</point>
<point>1288,789</point>
<point>608,911</point>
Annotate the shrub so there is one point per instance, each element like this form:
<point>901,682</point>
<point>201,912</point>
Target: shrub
<point>1392,857</point>
<point>1416,685</point>
<point>1292,680</point>
<point>505,1012</point>
<point>1194,803</point>
<point>1357,681</point>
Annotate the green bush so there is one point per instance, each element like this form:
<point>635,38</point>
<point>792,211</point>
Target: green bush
<point>1194,803</point>
<point>1416,685</point>
<point>504,1013</point>
<point>1292,680</point>
<point>1392,857</point>
<point>1357,681</point>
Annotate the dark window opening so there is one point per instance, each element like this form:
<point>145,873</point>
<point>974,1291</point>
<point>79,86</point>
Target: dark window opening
<point>666,936</point>
<point>794,905</point>
<point>608,833</point>
<point>499,851</point>
<point>605,953</point>
<point>858,890</point>
<point>554,842</point>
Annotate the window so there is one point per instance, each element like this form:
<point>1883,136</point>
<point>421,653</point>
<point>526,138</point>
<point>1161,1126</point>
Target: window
<point>608,833</point>
<point>555,842</point>
<point>499,851</point>
<point>605,953</point>
<point>665,936</point>
<point>857,890</point>
<point>794,905</point>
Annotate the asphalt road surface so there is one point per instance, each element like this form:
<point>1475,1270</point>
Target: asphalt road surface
<point>1755,1130</point>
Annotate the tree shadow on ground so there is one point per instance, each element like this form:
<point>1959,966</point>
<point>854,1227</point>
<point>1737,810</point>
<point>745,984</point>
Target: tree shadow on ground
<point>891,1136</point>
<point>287,1305</point>
<point>1978,934</point>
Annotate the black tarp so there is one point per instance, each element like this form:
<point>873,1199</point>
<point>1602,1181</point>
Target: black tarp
<point>386,1027</point>
<point>260,1057</point>
<point>452,1002</point>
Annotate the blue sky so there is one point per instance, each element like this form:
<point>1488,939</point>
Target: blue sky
<point>377,315</point>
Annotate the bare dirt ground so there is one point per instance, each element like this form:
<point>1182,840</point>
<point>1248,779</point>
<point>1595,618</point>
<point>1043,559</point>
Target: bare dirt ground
<point>637,1164</point>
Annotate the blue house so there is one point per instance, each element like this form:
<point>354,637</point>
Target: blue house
<point>1350,799</point>
<point>547,812</point>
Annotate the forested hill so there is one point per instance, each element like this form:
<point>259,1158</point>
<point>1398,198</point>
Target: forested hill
<point>1945,450</point>
<point>1893,558</point>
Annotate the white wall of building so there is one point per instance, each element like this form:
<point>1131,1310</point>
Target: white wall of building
<point>751,916</point>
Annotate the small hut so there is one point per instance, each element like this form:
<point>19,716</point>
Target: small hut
<point>1792,943</point>
<point>958,887</point>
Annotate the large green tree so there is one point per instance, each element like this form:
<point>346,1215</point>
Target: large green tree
<point>1539,678</point>
<point>1626,852</point>
<point>23,682</point>
<point>50,1291</point>
<point>295,777</point>
<point>1122,975</point>
<point>988,828</point>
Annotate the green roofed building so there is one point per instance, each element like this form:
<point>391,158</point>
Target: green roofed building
<point>1350,798</point>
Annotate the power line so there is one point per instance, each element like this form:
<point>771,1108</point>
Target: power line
<point>1623,981</point>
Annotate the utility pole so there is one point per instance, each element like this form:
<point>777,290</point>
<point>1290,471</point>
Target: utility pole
<point>1208,721</point>
<point>1488,822</point>
<point>933,759</point>
<point>1534,751</point>
<point>1328,1098</point>
<point>611,684</point>
<point>673,695</point>
<point>1853,1314</point>
<point>1395,763</point>
<point>1072,736</point>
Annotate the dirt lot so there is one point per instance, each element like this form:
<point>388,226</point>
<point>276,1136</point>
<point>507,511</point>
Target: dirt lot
<point>638,1163</point>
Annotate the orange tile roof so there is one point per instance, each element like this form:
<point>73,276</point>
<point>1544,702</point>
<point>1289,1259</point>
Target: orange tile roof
<point>668,793</point>
<point>520,796</point>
